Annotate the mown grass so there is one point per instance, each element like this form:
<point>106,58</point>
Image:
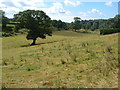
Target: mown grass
<point>65,60</point>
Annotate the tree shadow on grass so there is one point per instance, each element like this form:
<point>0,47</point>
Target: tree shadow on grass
<point>87,32</point>
<point>28,45</point>
<point>84,32</point>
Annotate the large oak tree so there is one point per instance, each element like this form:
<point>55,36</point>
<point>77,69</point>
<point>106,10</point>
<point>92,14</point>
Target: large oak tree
<point>38,23</point>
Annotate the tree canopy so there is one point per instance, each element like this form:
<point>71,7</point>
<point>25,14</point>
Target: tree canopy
<point>3,19</point>
<point>76,23</point>
<point>38,23</point>
<point>60,25</point>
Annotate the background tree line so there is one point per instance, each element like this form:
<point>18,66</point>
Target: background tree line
<point>106,26</point>
<point>111,25</point>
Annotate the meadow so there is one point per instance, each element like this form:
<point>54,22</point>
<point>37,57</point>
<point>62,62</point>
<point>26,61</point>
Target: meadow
<point>66,60</point>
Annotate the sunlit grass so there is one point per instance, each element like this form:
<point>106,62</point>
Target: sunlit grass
<point>67,59</point>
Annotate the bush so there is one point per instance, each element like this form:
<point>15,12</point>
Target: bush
<point>109,31</point>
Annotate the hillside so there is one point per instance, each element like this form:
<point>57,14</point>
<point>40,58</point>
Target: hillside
<point>67,59</point>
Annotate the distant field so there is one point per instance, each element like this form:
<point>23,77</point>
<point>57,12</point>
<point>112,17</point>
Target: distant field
<point>67,59</point>
<point>8,25</point>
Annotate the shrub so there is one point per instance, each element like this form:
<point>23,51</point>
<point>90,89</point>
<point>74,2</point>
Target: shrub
<point>8,31</point>
<point>109,31</point>
<point>5,34</point>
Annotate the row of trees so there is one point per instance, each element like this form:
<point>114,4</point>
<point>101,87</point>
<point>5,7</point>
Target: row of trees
<point>59,25</point>
<point>77,24</point>
<point>97,24</point>
<point>88,24</point>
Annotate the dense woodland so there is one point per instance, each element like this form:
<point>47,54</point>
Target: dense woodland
<point>106,26</point>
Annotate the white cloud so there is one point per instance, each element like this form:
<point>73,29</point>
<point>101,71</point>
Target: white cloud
<point>83,14</point>
<point>109,3</point>
<point>35,3</point>
<point>57,8</point>
<point>21,3</point>
<point>70,3</point>
<point>58,12</point>
<point>68,13</point>
<point>12,7</point>
<point>2,5</point>
<point>95,11</point>
<point>89,14</point>
<point>85,0</point>
<point>28,7</point>
<point>65,18</point>
<point>11,11</point>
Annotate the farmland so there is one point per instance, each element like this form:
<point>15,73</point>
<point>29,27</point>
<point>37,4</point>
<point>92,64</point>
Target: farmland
<point>66,60</point>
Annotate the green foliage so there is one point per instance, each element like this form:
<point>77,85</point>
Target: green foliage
<point>4,19</point>
<point>76,23</point>
<point>8,31</point>
<point>96,24</point>
<point>114,22</point>
<point>38,23</point>
<point>60,25</point>
<point>109,31</point>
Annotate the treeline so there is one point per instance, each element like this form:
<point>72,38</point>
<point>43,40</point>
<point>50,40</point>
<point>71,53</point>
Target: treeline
<point>106,26</point>
<point>4,21</point>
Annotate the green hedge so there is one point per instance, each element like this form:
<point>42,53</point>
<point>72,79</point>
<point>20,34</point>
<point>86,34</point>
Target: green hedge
<point>109,31</point>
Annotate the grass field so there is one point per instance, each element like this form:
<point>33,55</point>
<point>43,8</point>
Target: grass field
<point>8,25</point>
<point>65,60</point>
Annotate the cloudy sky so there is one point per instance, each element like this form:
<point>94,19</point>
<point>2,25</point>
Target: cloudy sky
<point>64,10</point>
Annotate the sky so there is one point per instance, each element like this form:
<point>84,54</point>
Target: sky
<point>64,10</point>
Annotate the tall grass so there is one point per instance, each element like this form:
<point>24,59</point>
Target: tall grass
<point>67,59</point>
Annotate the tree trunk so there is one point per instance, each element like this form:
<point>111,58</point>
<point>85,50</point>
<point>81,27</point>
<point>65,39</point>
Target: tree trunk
<point>75,30</point>
<point>33,43</point>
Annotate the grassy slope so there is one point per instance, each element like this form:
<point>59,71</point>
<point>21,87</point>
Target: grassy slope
<point>67,59</point>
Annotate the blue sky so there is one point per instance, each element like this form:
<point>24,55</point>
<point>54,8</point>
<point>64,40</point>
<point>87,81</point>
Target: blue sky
<point>64,10</point>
